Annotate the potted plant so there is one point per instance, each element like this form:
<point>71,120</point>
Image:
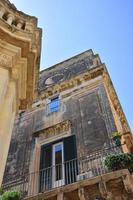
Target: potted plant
<point>119,161</point>
<point>117,138</point>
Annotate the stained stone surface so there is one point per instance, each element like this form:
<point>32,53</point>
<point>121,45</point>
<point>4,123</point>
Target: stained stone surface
<point>64,73</point>
<point>92,123</point>
<point>89,113</point>
<point>92,120</point>
<point>22,144</point>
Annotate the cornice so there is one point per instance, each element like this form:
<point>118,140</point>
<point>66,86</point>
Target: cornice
<point>68,61</point>
<point>54,130</point>
<point>73,82</point>
<point>26,40</point>
<point>115,101</point>
<point>19,19</point>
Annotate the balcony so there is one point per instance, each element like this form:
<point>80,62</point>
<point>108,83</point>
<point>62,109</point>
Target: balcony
<point>66,175</point>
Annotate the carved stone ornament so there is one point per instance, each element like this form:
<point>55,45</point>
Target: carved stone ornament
<point>68,84</point>
<point>5,60</point>
<point>55,130</point>
<point>115,102</point>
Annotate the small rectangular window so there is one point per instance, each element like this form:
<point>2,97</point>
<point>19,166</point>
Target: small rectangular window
<point>54,104</point>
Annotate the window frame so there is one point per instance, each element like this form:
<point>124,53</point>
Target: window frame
<point>51,108</point>
<point>61,181</point>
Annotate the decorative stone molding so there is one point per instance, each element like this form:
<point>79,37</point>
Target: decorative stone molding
<point>54,130</point>
<point>16,19</point>
<point>15,47</point>
<point>20,57</point>
<point>128,141</point>
<point>5,60</point>
<point>115,101</point>
<point>79,189</point>
<point>78,80</point>
<point>9,18</point>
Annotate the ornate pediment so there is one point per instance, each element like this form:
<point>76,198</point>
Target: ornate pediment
<point>55,130</point>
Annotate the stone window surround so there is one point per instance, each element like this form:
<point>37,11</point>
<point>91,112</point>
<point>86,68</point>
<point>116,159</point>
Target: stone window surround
<point>35,164</point>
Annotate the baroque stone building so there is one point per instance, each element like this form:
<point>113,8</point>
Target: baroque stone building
<point>56,125</point>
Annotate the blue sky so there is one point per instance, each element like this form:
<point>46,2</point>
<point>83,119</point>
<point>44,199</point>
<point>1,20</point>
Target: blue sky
<point>73,26</point>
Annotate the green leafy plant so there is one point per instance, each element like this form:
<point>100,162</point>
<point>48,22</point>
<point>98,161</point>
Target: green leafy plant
<point>1,191</point>
<point>117,138</point>
<point>119,161</point>
<point>116,135</point>
<point>11,195</point>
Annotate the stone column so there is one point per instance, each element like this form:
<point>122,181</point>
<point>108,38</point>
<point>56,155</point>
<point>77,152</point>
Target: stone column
<point>10,19</point>
<point>7,116</point>
<point>20,24</point>
<point>2,11</point>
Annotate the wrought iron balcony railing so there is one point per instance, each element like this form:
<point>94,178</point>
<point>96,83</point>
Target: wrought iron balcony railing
<point>63,174</point>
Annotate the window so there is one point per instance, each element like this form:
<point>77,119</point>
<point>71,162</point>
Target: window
<point>58,161</point>
<point>58,169</point>
<point>54,105</point>
<point>58,164</point>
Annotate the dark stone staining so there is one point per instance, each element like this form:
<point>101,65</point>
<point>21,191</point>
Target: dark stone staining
<point>65,73</point>
<point>92,123</point>
<point>90,115</point>
<point>106,110</point>
<point>92,120</point>
<point>94,131</point>
<point>20,151</point>
<point>38,119</point>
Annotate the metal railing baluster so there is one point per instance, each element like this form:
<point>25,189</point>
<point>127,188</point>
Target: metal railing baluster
<point>65,173</point>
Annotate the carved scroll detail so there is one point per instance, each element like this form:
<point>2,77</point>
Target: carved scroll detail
<point>5,60</point>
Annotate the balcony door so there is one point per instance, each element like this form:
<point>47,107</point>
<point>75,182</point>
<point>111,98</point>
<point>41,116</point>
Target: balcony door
<point>58,165</point>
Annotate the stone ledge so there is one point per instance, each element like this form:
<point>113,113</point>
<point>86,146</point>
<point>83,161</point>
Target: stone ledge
<point>112,176</point>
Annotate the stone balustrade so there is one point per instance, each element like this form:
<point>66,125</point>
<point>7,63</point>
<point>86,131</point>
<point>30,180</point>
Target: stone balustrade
<point>10,19</point>
<point>15,21</point>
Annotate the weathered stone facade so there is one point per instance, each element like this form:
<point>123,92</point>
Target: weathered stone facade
<point>87,109</point>
<point>85,113</point>
<point>20,44</point>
